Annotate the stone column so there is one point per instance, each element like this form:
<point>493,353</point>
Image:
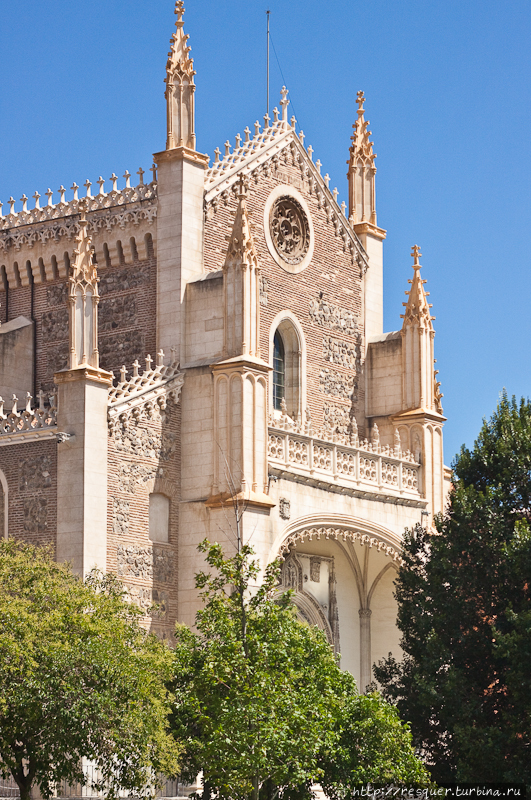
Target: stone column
<point>82,468</point>
<point>179,238</point>
<point>365,648</point>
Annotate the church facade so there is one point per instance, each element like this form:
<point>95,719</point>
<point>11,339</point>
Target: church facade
<point>202,354</point>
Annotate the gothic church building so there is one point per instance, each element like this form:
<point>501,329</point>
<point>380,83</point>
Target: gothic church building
<point>212,335</point>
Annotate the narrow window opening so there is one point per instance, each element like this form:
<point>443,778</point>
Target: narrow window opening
<point>279,371</point>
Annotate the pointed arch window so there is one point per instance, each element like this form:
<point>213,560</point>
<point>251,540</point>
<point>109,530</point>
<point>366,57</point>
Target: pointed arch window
<point>279,370</point>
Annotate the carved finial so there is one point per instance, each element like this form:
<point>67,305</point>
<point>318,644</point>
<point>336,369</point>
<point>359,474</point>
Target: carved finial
<point>153,170</point>
<point>415,254</point>
<point>24,201</point>
<point>123,373</point>
<point>149,362</point>
<point>310,152</point>
<point>160,358</point>
<point>140,174</point>
<point>114,179</point>
<point>335,193</point>
<point>83,284</point>
<point>49,195</point>
<point>266,121</point>
<point>217,153</point>
<point>238,141</point>
<point>293,122</point>
<point>275,114</point>
<point>36,197</point>
<point>227,148</point>
<point>318,164</point>
<point>101,183</point>
<point>284,103</point>
<point>136,365</point>
<point>247,133</point>
<point>127,176</point>
<point>74,189</point>
<point>87,186</point>
<point>41,400</point>
<point>344,208</point>
<point>301,137</point>
<point>361,170</point>
<point>62,192</point>
<point>256,128</point>
<point>14,406</point>
<point>283,407</point>
<point>180,88</point>
<point>12,202</point>
<point>29,398</point>
<point>327,180</point>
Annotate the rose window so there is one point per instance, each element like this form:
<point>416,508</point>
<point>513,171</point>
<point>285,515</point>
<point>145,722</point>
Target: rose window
<point>289,230</point>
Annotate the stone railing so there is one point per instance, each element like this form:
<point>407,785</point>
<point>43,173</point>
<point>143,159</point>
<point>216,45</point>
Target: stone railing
<point>145,391</point>
<point>358,465</point>
<point>28,424</point>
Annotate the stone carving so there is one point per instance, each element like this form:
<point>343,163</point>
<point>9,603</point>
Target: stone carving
<point>340,534</point>
<point>120,519</point>
<point>342,353</point>
<point>35,514</point>
<point>135,440</point>
<point>152,601</point>
<point>315,569</point>
<point>284,508</point>
<point>298,452</point>
<point>56,295</point>
<point>148,563</point>
<point>336,420</point>
<point>375,437</point>
<point>337,384</point>
<point>117,312</point>
<point>264,290</point>
<point>119,280</point>
<point>290,230</point>
<point>34,473</point>
<point>328,315</point>
<point>54,324</point>
<point>130,475</point>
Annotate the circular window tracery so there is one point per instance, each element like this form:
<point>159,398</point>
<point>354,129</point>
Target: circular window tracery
<point>290,230</point>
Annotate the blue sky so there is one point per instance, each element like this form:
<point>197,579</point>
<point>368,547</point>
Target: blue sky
<point>448,89</point>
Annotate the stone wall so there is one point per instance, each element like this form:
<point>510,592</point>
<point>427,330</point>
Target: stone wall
<point>144,457</point>
<point>31,473</point>
<point>325,296</point>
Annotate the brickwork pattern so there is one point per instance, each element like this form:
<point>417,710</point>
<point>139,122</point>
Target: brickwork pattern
<point>31,473</point>
<point>126,318</point>
<point>145,456</point>
<point>331,278</point>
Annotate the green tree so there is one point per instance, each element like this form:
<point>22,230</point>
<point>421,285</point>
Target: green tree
<point>79,678</point>
<point>261,704</point>
<point>464,600</point>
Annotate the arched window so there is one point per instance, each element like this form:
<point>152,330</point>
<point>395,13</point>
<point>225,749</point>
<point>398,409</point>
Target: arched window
<point>279,371</point>
<point>287,359</point>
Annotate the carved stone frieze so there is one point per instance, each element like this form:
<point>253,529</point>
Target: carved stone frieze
<point>342,353</point>
<point>131,475</point>
<point>335,318</point>
<point>336,420</point>
<point>35,514</point>
<point>34,473</point>
<point>120,518</point>
<point>152,601</point>
<point>336,384</point>
<point>135,440</point>
<point>148,563</point>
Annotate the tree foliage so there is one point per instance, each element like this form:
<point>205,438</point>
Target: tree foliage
<point>261,704</point>
<point>465,614</point>
<point>79,678</point>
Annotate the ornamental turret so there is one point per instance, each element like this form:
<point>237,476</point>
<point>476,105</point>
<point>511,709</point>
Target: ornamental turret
<point>180,88</point>
<point>361,170</point>
<point>83,299</point>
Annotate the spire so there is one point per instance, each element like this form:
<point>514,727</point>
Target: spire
<point>421,388</point>
<point>417,307</point>
<point>241,285</point>
<point>361,170</point>
<point>83,299</point>
<point>180,88</point>
<point>241,249</point>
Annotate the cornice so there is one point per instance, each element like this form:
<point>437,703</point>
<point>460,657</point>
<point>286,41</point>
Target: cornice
<point>181,154</point>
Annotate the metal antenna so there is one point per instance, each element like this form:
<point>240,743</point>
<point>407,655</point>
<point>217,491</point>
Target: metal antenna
<point>267,68</point>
